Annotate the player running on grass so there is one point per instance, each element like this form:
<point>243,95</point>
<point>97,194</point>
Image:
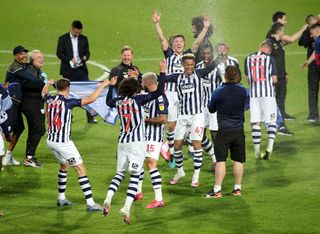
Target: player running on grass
<point>59,117</point>
<point>190,95</point>
<point>155,117</point>
<point>132,145</point>
<point>173,53</point>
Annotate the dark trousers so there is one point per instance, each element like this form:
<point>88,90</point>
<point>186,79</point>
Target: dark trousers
<point>80,74</point>
<point>313,87</point>
<point>281,93</point>
<point>33,110</point>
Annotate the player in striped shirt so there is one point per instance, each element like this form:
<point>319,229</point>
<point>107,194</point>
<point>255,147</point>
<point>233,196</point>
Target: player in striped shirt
<point>210,83</point>
<point>156,113</point>
<point>223,48</point>
<point>260,71</point>
<point>173,55</point>
<point>191,118</point>
<point>132,143</point>
<point>59,116</point>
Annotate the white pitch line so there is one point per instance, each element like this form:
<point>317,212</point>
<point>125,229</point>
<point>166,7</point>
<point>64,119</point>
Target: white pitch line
<point>103,67</point>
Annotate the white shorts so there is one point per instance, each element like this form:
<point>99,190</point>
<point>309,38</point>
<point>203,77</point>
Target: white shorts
<point>192,123</point>
<point>130,156</point>
<point>210,120</point>
<point>153,149</point>
<point>263,109</point>
<point>65,152</point>
<point>2,149</point>
<point>173,106</point>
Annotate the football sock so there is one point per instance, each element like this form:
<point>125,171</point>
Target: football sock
<point>256,138</point>
<point>62,184</point>
<point>140,182</point>
<point>86,189</point>
<point>197,162</point>
<point>113,187</point>
<point>272,129</point>
<point>178,159</point>
<point>170,138</point>
<point>132,190</point>
<point>156,183</point>
<point>207,145</point>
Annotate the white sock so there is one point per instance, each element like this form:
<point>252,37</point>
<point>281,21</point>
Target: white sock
<point>213,157</point>
<point>180,170</point>
<point>237,186</point>
<point>256,149</point>
<point>109,196</point>
<point>216,188</point>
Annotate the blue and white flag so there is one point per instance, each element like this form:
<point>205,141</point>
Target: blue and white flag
<point>81,89</point>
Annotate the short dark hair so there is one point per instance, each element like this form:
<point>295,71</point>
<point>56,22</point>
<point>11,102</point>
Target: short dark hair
<point>77,24</point>
<point>62,84</point>
<point>197,22</point>
<point>277,15</point>
<point>310,16</point>
<point>315,26</point>
<point>232,73</point>
<point>275,27</point>
<point>206,46</point>
<point>178,35</point>
<point>128,87</point>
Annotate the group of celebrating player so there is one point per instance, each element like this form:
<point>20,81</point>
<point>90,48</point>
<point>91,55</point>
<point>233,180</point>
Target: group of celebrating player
<point>195,91</point>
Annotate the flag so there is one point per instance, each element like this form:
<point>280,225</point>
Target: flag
<point>81,89</point>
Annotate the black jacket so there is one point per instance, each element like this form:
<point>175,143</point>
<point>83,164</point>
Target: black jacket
<point>65,52</point>
<point>16,75</point>
<point>121,71</point>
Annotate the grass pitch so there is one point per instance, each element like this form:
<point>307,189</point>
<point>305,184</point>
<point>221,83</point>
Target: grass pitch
<point>279,196</point>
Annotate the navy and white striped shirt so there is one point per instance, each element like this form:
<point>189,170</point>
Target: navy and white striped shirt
<point>59,110</point>
<point>210,82</point>
<point>259,68</point>
<point>190,91</point>
<point>174,65</point>
<point>155,108</point>
<point>131,112</point>
<point>231,61</point>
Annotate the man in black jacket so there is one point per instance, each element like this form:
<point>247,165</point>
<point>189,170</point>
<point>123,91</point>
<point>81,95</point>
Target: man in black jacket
<point>126,69</point>
<point>16,75</point>
<point>313,71</point>
<point>73,51</point>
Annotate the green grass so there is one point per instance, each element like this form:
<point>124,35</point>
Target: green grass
<point>279,196</point>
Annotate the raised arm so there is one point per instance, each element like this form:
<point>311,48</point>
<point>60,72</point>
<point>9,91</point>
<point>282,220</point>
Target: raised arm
<point>95,94</point>
<point>109,99</point>
<point>45,89</point>
<point>202,34</point>
<point>289,39</point>
<point>156,20</point>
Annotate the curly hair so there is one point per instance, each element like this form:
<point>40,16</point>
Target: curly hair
<point>128,87</point>
<point>197,22</point>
